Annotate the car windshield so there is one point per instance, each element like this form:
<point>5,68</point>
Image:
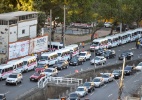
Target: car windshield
<point>12,76</point>
<point>24,62</point>
<point>48,70</point>
<point>1,97</point>
<point>95,43</point>
<point>82,54</point>
<point>74,60</point>
<point>43,58</point>
<point>105,76</point>
<point>80,89</point>
<point>59,54</point>
<point>40,66</point>
<point>127,68</point>
<point>36,74</point>
<point>96,80</point>
<point>97,58</point>
<point>140,64</point>
<point>59,62</point>
<point>73,95</point>
<point>87,84</point>
<point>116,71</point>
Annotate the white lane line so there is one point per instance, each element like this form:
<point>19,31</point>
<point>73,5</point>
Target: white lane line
<point>20,85</point>
<point>92,93</point>
<point>110,95</point>
<point>7,92</point>
<point>136,80</point>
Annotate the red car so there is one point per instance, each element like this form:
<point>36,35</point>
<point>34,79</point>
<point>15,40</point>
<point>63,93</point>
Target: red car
<point>41,67</point>
<point>36,76</point>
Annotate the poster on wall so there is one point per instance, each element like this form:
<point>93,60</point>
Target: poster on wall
<point>18,49</point>
<point>38,44</point>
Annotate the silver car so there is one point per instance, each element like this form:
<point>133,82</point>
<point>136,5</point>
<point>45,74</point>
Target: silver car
<point>51,72</point>
<point>98,81</point>
<point>108,77</point>
<point>82,91</point>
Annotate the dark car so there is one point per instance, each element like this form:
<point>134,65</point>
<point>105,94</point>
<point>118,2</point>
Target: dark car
<point>128,70</point>
<point>90,86</point>
<point>109,54</point>
<point>73,96</point>
<point>117,74</point>
<point>76,61</point>
<point>61,64</point>
<point>127,54</point>
<point>2,97</point>
<point>99,52</point>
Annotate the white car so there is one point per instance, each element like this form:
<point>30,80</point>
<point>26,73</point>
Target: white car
<point>108,77</point>
<point>85,55</point>
<point>51,72</point>
<point>98,60</point>
<point>107,24</point>
<point>82,91</point>
<point>98,81</point>
<point>139,66</point>
<point>14,78</point>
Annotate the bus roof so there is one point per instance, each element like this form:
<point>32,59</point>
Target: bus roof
<point>28,58</point>
<point>62,50</point>
<point>2,66</point>
<point>99,39</point>
<point>55,43</point>
<point>15,61</point>
<point>48,53</point>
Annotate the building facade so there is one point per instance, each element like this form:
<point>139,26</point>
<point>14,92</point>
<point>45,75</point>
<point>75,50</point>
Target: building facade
<point>16,26</point>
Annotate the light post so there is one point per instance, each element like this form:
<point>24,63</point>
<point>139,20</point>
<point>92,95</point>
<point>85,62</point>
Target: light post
<point>50,26</point>
<point>64,26</point>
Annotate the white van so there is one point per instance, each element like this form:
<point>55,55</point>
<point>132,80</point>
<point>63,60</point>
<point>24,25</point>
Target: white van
<point>18,64</point>
<point>6,70</point>
<point>63,54</point>
<point>74,49</point>
<point>29,62</point>
<point>55,46</point>
<point>49,58</point>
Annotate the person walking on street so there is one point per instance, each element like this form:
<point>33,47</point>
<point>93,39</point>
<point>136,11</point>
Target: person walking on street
<point>83,46</point>
<point>138,43</point>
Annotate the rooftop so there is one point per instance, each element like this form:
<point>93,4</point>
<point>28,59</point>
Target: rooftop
<point>13,15</point>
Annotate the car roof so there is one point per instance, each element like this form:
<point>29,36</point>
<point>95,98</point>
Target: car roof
<point>83,51</point>
<point>97,77</point>
<point>51,68</point>
<point>81,87</point>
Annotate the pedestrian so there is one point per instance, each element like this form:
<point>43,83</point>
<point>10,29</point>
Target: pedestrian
<point>83,45</point>
<point>138,44</point>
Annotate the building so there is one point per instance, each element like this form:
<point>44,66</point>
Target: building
<point>16,26</point>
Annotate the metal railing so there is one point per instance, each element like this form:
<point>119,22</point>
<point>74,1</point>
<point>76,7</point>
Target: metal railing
<point>58,80</point>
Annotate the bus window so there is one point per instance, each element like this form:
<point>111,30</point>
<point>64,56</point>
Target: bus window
<point>55,47</point>
<point>60,47</point>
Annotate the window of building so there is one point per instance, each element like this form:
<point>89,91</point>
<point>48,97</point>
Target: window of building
<point>23,31</point>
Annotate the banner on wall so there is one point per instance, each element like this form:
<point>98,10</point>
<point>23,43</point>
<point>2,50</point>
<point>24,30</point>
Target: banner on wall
<point>18,49</point>
<point>38,44</point>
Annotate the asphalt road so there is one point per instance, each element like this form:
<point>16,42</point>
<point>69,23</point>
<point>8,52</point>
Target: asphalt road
<point>12,92</point>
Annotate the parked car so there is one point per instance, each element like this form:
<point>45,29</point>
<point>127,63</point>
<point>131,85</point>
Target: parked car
<point>2,97</point>
<point>128,70</point>
<point>51,72</point>
<point>76,61</point>
<point>98,81</point>
<point>85,55</point>
<point>82,91</point>
<point>90,86</point>
<point>98,60</point>
<point>41,67</point>
<point>127,54</point>
<point>14,78</point>
<point>139,66</point>
<point>73,96</point>
<point>109,54</point>
<point>108,77</point>
<point>61,64</point>
<point>117,74</point>
<point>108,24</point>
<point>37,76</point>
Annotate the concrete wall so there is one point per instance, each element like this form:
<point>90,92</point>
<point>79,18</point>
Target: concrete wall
<point>53,91</point>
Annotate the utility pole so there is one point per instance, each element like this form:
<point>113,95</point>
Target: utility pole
<point>64,26</point>
<point>121,81</point>
<point>94,63</point>
<point>50,27</point>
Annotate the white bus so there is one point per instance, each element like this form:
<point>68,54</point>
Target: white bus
<point>18,63</point>
<point>100,43</point>
<point>49,58</point>
<point>63,54</point>
<point>74,49</point>
<point>29,63</point>
<point>6,70</point>
<point>55,46</point>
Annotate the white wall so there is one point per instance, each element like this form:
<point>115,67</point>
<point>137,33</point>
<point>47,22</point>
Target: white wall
<point>33,31</point>
<point>13,33</point>
<point>25,26</point>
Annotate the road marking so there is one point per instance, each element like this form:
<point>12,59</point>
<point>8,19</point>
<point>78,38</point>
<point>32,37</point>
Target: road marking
<point>7,92</point>
<point>20,85</point>
<point>136,80</point>
<point>92,93</point>
<point>110,95</point>
<point>104,86</point>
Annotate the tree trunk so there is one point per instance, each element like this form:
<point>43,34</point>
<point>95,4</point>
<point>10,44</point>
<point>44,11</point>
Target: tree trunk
<point>94,31</point>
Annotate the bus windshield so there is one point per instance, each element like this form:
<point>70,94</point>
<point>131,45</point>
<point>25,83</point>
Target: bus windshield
<point>24,62</point>
<point>59,54</point>
<point>0,70</point>
<point>43,58</point>
<point>95,43</point>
